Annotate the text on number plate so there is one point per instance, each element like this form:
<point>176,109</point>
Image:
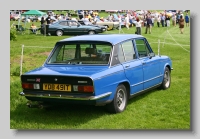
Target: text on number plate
<point>57,87</point>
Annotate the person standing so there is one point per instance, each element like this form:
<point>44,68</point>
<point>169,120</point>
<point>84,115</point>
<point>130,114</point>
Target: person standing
<point>187,20</point>
<point>48,21</point>
<point>174,20</point>
<point>181,24</point>
<point>127,21</point>
<point>153,19</point>
<point>158,21</point>
<point>168,21</point>
<point>178,16</point>
<point>163,20</point>
<point>138,26</point>
<point>42,25</point>
<point>149,25</point>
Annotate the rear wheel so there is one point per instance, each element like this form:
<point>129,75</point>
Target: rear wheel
<point>166,79</point>
<point>119,102</point>
<point>59,32</point>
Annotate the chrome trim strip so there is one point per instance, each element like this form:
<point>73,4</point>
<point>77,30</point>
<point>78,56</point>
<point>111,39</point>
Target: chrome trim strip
<point>59,96</point>
<point>153,78</point>
<point>144,90</point>
<point>137,84</point>
<point>146,81</point>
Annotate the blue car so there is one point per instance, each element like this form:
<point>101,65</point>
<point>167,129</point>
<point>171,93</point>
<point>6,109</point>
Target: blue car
<point>100,70</point>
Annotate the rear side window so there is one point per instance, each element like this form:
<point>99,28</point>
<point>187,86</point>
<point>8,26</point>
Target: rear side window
<point>128,50</point>
<point>142,48</point>
<point>63,23</point>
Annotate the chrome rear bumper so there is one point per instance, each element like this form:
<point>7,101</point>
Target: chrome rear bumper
<point>61,96</point>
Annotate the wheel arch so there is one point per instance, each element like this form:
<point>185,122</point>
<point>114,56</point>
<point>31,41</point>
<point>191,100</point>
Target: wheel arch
<point>168,66</point>
<point>59,29</point>
<point>127,86</point>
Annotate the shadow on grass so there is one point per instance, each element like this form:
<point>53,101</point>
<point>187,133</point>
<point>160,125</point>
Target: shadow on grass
<point>70,116</point>
<point>141,96</point>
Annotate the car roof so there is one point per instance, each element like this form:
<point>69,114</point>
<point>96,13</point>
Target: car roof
<point>111,38</point>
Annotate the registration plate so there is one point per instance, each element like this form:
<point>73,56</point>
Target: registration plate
<point>57,87</point>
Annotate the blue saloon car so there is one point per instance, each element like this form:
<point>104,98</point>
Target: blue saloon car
<point>103,70</point>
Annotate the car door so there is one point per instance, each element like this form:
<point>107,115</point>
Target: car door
<point>150,64</point>
<point>74,27</point>
<point>64,26</point>
<point>132,66</point>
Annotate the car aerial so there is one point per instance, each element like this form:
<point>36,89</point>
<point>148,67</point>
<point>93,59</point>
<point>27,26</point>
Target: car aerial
<point>110,25</point>
<point>101,70</point>
<point>82,22</point>
<point>62,27</point>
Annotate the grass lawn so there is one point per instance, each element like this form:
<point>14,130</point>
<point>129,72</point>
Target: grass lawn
<point>158,109</point>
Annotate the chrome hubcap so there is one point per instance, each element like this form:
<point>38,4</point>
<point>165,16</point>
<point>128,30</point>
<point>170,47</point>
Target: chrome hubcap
<point>166,79</point>
<point>91,32</point>
<point>121,99</point>
<point>59,33</point>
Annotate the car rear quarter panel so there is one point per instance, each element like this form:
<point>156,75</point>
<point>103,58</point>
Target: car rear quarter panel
<point>108,80</point>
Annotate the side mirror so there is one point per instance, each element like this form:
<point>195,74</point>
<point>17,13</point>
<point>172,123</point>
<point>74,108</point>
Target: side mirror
<point>151,55</point>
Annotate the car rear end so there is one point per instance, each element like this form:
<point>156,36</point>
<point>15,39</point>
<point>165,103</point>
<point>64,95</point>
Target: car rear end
<point>57,88</point>
<point>67,76</point>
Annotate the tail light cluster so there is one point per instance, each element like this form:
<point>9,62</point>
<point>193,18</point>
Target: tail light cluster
<point>83,88</point>
<point>30,86</point>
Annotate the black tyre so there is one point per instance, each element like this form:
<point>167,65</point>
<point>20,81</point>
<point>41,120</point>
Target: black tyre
<point>119,102</point>
<point>166,79</point>
<point>91,32</point>
<point>59,32</point>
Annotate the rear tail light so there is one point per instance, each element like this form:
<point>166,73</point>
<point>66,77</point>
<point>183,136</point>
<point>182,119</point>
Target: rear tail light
<point>30,86</point>
<point>82,88</point>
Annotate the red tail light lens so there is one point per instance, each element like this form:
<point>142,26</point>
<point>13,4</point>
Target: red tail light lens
<point>83,88</point>
<point>27,86</point>
<point>88,89</point>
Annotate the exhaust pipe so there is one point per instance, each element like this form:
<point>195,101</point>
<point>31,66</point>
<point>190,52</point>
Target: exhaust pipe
<point>31,104</point>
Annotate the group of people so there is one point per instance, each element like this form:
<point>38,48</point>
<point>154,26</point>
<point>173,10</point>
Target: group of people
<point>162,19</point>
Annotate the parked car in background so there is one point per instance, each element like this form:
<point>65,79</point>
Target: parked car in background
<point>110,25</point>
<point>62,27</point>
<point>101,70</point>
<point>82,22</point>
<point>15,15</point>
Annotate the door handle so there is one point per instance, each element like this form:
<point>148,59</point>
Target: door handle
<point>127,66</point>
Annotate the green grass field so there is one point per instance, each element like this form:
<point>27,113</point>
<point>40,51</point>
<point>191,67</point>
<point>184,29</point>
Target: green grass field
<point>157,109</point>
